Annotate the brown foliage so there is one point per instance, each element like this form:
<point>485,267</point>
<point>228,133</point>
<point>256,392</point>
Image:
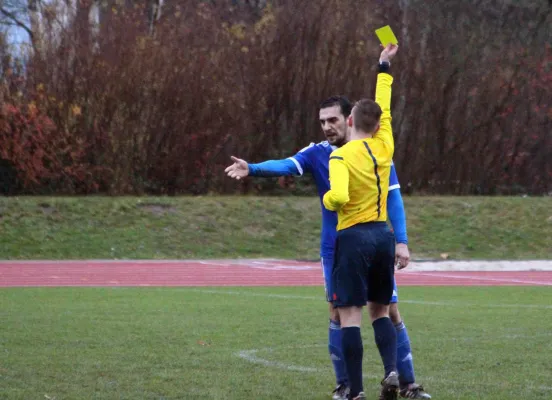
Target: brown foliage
<point>158,106</point>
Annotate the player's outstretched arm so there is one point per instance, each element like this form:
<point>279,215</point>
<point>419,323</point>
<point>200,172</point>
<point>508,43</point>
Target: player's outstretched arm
<point>338,195</point>
<point>241,168</point>
<point>383,94</point>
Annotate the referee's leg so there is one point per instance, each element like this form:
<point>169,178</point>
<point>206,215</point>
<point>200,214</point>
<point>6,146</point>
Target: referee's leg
<point>353,350</point>
<point>334,334</point>
<point>380,283</point>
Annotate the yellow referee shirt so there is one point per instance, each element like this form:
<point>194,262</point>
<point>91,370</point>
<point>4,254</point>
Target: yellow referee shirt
<point>359,171</point>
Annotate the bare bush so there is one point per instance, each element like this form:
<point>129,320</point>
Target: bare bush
<point>153,97</point>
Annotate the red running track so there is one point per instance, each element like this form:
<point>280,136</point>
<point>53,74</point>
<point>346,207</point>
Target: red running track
<point>228,273</point>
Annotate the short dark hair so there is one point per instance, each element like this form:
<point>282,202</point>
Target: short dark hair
<point>366,115</point>
<point>343,102</point>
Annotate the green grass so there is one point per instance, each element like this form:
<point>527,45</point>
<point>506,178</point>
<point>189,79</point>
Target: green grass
<point>490,343</point>
<point>282,227</point>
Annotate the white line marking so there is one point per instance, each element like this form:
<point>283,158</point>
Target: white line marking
<point>281,267</point>
<point>481,265</point>
<point>461,304</point>
<point>415,266</point>
<point>252,357</point>
<point>322,297</point>
<point>483,339</point>
<point>267,295</point>
<point>271,265</point>
<point>214,264</point>
<point>476,278</point>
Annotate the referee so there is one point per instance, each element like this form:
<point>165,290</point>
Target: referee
<point>363,268</point>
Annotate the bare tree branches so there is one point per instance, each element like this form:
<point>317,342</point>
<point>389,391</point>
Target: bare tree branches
<point>135,89</point>
<point>16,21</point>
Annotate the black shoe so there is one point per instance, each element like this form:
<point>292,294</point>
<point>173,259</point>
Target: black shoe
<point>390,387</point>
<point>341,392</point>
<point>415,392</point>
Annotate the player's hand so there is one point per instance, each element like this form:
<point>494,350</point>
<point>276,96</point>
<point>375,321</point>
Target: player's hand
<point>238,170</point>
<point>389,52</point>
<point>402,255</point>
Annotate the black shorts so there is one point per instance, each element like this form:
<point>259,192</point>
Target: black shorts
<point>364,265</point>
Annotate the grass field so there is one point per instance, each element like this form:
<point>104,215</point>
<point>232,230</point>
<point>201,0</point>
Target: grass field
<point>280,227</point>
<point>491,343</point>
<point>235,343</point>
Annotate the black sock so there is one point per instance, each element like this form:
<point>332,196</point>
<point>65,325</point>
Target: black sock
<point>352,353</point>
<point>386,340</point>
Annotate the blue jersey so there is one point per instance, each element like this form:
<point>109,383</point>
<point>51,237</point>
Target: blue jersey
<point>314,159</point>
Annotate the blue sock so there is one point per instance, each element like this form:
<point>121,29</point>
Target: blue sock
<point>386,340</point>
<point>336,352</point>
<point>405,364</point>
<point>352,353</point>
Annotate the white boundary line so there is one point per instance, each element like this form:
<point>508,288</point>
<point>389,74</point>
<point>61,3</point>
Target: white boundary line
<point>253,294</point>
<point>415,266</point>
<point>322,298</point>
<point>482,278</point>
<point>252,357</point>
<point>480,265</point>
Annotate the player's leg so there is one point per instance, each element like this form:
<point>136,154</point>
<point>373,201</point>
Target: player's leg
<point>405,364</point>
<point>334,337</point>
<point>349,296</point>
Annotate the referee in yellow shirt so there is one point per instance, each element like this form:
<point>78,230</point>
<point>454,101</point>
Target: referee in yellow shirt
<point>364,268</point>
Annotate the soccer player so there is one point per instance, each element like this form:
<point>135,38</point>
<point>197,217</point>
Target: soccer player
<point>363,271</point>
<point>314,159</point>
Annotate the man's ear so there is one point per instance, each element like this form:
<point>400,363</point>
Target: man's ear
<point>377,128</point>
<point>350,121</point>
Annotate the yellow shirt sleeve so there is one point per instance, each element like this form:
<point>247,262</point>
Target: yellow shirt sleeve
<point>338,195</point>
<point>383,98</point>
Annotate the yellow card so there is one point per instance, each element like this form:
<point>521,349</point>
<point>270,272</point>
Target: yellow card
<point>386,35</point>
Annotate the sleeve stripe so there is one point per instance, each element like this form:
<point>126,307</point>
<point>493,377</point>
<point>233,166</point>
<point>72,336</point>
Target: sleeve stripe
<point>336,158</point>
<point>297,165</point>
<point>395,186</point>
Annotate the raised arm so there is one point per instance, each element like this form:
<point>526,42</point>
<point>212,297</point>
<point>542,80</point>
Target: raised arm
<point>383,98</point>
<point>383,94</point>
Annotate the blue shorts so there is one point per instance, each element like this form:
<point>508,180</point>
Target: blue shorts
<point>364,265</point>
<point>327,265</point>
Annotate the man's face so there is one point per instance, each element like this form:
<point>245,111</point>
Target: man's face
<point>334,125</point>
